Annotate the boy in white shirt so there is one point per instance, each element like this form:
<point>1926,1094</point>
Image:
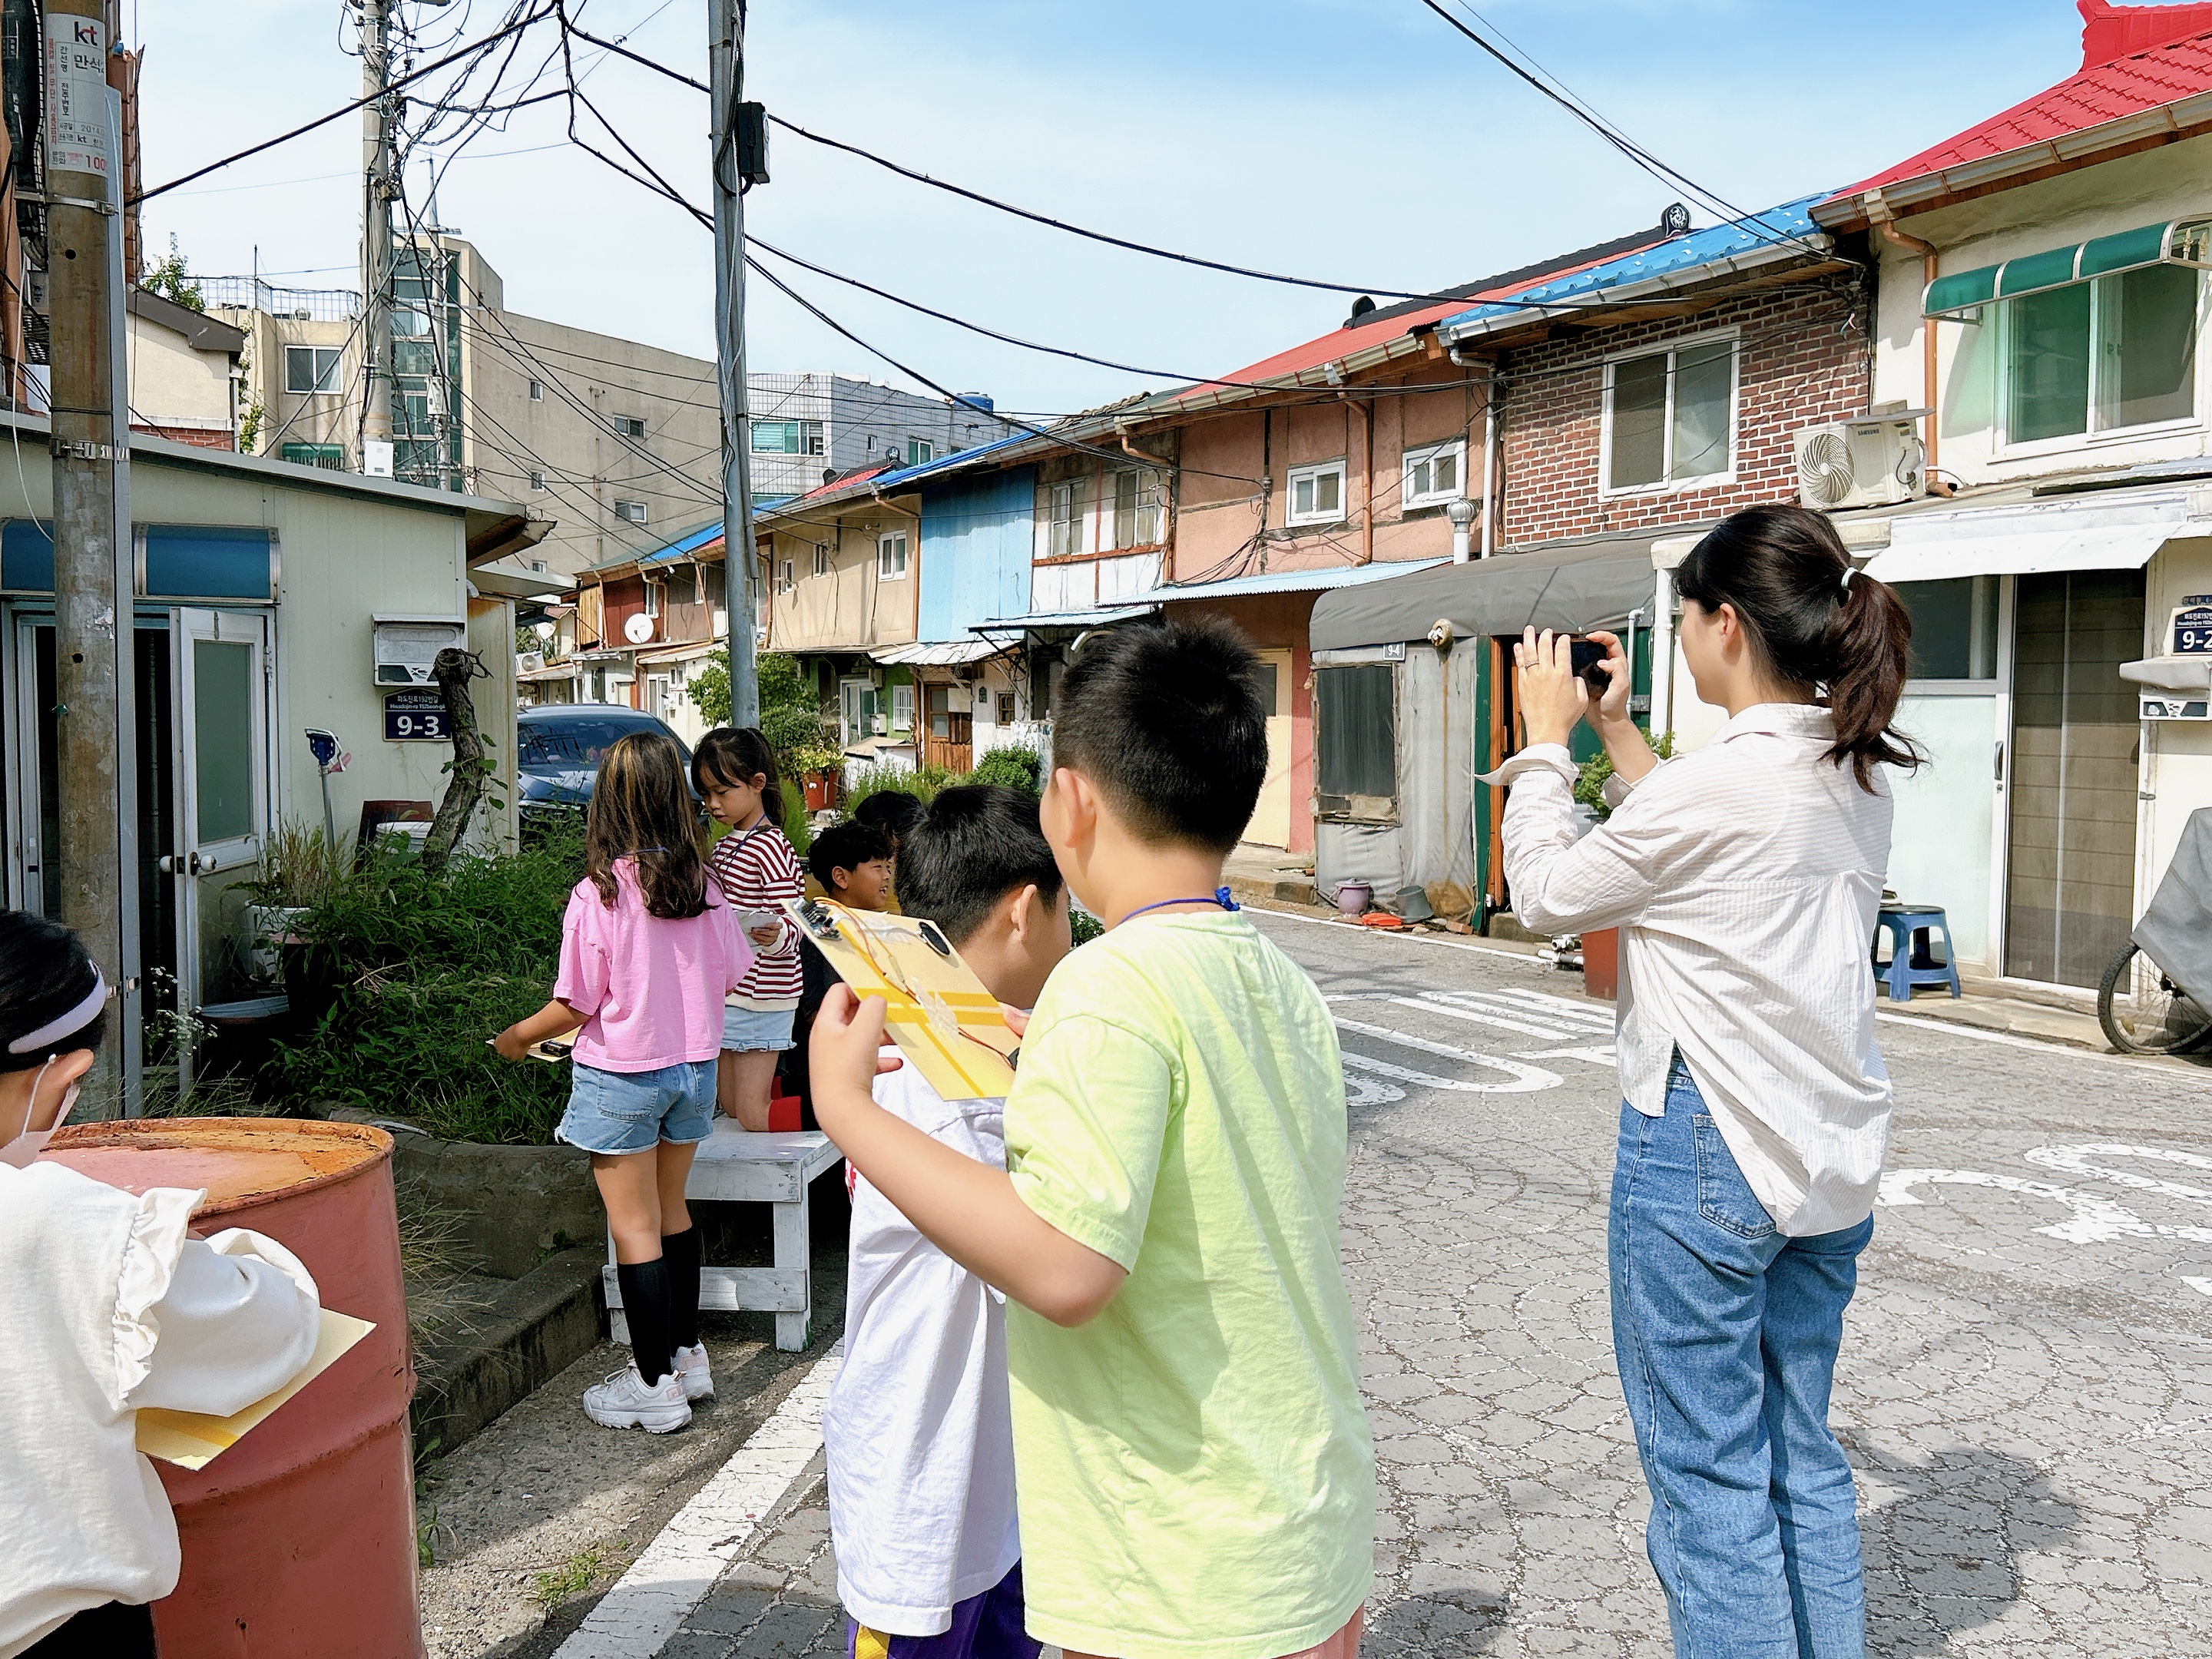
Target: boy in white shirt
<point>919,1429</point>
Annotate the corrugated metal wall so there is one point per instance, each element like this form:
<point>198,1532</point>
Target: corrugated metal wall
<point>975,537</point>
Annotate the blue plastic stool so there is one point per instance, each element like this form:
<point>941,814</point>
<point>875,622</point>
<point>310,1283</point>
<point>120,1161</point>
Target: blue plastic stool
<point>1910,960</point>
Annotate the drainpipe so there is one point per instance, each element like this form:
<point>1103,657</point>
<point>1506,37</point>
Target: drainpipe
<point>1167,490</point>
<point>1878,214</point>
<point>1489,450</point>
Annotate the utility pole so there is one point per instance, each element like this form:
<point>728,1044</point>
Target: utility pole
<point>95,722</point>
<point>377,191</point>
<point>726,55</point>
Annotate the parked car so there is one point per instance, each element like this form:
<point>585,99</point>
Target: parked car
<point>558,748</point>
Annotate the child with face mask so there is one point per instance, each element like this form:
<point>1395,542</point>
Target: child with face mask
<point>108,1307</point>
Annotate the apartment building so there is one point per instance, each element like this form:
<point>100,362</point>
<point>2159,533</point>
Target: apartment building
<point>807,427</point>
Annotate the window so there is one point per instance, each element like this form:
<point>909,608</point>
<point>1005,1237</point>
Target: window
<point>1436,474</point>
<point>821,561</point>
<point>330,457</point>
<point>1006,708</point>
<point>787,577</point>
<point>775,437</point>
<point>810,437</point>
<point>630,426</point>
<point>314,370</point>
<point>1069,504</point>
<point>1136,521</point>
<point>890,556</point>
<point>902,708</point>
<point>652,599</point>
<point>919,450</point>
<point>2101,356</point>
<point>1355,740</point>
<point>1316,494</point>
<point>630,512</point>
<point>1954,628</point>
<point>538,481</point>
<point>1670,417</point>
<point>856,710</point>
<point>537,392</point>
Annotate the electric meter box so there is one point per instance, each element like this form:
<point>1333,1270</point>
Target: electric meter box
<point>408,646</point>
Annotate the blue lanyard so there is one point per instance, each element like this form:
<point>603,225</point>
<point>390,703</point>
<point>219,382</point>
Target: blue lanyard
<point>1220,896</point>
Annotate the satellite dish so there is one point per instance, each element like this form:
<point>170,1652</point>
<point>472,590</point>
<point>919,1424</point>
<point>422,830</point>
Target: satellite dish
<point>638,629</point>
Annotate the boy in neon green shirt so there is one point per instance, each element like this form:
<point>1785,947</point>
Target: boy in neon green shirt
<point>1195,1477</point>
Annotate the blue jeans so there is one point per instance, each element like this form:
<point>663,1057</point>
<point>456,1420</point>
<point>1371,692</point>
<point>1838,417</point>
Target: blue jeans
<point>1726,1333</point>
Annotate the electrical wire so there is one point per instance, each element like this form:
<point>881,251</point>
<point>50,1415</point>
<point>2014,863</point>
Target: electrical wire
<point>537,16</point>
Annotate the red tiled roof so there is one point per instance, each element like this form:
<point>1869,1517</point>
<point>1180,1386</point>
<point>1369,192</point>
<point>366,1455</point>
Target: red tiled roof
<point>1341,343</point>
<point>2133,58</point>
<point>844,482</point>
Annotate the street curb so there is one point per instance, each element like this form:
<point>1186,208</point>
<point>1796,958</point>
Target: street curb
<point>675,1573</point>
<point>1279,892</point>
<point>536,1327</point>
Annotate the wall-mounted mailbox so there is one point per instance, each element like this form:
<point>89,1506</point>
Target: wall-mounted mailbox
<point>408,646</point>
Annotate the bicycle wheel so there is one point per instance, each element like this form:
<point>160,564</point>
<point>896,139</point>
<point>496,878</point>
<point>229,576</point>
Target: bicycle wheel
<point>2161,1020</point>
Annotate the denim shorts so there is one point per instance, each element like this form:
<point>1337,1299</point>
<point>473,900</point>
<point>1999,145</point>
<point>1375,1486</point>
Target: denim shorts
<point>615,1112</point>
<point>756,1028</point>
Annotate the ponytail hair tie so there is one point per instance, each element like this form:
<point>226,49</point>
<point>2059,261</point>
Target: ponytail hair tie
<point>1850,571</point>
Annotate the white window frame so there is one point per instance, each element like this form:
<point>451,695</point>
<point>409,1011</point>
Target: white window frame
<point>891,556</point>
<point>1672,348</point>
<point>925,445</point>
<point>1317,470</point>
<point>324,382</point>
<point>1146,514</point>
<point>630,512</point>
<point>1407,496</point>
<point>1068,517</point>
<point>538,481</point>
<point>2001,414</point>
<point>537,392</point>
<point>652,597</point>
<point>787,577</point>
<point>813,438</point>
<point>821,561</point>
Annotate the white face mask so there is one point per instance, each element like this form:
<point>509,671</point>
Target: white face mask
<point>68,1101</point>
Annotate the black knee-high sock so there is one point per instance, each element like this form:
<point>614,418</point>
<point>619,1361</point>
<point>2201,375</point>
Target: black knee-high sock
<point>681,1252</point>
<point>646,1304</point>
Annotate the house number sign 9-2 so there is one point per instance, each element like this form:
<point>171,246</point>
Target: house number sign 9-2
<point>2192,626</point>
<point>415,716</point>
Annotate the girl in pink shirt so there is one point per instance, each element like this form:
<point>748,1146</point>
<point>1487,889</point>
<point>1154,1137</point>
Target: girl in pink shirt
<point>648,949</point>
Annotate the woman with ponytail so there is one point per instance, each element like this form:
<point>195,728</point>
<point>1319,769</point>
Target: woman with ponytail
<point>1744,879</point>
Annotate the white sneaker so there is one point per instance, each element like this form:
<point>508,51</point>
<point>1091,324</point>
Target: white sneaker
<point>693,1372</point>
<point>625,1401</point>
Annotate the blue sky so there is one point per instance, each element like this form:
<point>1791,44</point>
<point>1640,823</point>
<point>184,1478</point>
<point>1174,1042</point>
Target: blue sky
<point>1356,140</point>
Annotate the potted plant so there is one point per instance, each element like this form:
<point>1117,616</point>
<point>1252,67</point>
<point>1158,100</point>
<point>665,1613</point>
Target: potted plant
<point>819,770</point>
<point>299,868</point>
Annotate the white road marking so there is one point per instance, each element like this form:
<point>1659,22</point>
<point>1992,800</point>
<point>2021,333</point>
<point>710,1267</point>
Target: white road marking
<point>1600,1055</point>
<point>1411,937</point>
<point>2074,1160</point>
<point>2178,1072</point>
<point>1525,1078</point>
<point>2202,1284</point>
<point>678,1567</point>
<point>2096,1220</point>
<point>1479,1015</point>
<point>1366,1092</point>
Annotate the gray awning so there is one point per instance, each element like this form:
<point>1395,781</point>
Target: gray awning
<point>1572,585</point>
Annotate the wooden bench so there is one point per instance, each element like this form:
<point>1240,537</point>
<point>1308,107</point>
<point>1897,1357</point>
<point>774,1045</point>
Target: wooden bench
<point>777,1167</point>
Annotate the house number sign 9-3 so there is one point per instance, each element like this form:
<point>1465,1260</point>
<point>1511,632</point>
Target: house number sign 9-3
<point>415,716</point>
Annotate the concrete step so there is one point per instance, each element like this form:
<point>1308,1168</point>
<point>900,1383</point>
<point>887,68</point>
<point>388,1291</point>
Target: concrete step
<point>484,1344</point>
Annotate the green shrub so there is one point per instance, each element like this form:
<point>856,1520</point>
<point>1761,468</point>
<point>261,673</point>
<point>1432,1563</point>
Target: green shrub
<point>1015,765</point>
<point>782,686</point>
<point>1589,782</point>
<point>875,776</point>
<point>419,971</point>
<point>789,728</point>
<point>708,688</point>
<point>795,829</point>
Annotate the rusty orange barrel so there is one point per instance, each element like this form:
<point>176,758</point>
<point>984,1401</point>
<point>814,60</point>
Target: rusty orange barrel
<point>299,1542</point>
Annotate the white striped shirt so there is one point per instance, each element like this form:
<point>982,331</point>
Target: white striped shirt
<point>1744,879</point>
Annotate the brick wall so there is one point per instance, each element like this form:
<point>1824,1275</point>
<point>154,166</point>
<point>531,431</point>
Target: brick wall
<point>1798,367</point>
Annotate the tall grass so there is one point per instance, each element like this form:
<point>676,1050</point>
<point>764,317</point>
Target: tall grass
<point>418,971</point>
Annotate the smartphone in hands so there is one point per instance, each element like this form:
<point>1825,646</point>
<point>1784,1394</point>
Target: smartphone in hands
<point>1588,665</point>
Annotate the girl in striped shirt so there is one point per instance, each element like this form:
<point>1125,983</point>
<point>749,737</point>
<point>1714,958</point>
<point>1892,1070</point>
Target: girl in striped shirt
<point>735,771</point>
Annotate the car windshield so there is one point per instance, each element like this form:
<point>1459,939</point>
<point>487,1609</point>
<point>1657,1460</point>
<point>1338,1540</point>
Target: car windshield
<point>579,741</point>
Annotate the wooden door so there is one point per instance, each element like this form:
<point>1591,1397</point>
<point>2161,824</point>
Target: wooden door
<point>948,731</point>
<point>1270,818</point>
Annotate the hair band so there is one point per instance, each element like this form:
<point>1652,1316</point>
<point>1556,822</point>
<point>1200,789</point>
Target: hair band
<point>1850,571</point>
<point>74,1021</point>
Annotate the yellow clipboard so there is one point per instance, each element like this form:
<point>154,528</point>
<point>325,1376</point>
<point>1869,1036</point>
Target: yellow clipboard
<point>193,1440</point>
<point>945,1023</point>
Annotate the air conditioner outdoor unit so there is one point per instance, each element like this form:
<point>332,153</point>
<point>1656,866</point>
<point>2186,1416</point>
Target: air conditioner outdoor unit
<point>529,662</point>
<point>1877,460</point>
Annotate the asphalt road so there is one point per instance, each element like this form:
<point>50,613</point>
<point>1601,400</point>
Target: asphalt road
<point>2026,1382</point>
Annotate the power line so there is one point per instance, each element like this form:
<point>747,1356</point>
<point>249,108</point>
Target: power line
<point>1628,147</point>
<point>514,28</point>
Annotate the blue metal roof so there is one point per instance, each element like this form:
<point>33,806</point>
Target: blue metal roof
<point>688,543</point>
<point>1682,257</point>
<point>1286,581</point>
